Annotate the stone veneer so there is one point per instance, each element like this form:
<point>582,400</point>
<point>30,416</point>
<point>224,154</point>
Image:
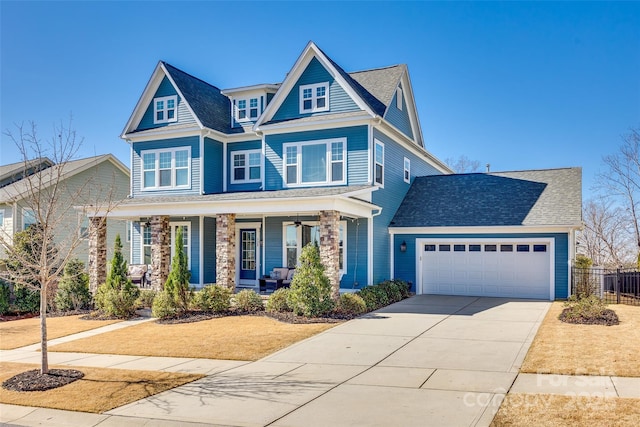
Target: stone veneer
<point>226,250</point>
<point>330,248</point>
<point>97,252</point>
<point>160,251</point>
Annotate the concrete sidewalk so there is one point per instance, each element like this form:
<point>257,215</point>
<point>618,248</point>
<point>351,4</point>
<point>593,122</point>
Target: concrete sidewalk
<point>428,360</point>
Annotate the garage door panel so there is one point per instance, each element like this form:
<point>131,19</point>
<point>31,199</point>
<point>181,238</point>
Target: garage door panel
<point>505,273</point>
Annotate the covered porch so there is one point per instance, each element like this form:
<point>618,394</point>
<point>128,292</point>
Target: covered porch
<point>235,239</point>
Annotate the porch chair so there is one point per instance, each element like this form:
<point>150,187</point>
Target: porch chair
<point>278,278</point>
<point>138,274</point>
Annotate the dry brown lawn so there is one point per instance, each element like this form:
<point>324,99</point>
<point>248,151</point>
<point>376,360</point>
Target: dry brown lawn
<point>555,411</point>
<point>232,338</point>
<point>564,348</point>
<point>100,390</point>
<point>18,333</point>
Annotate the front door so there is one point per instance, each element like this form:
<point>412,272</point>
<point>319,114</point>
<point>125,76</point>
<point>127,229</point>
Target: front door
<point>248,256</point>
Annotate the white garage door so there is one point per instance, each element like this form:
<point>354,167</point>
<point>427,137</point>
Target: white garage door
<point>513,268</point>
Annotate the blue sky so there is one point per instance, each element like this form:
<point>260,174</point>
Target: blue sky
<point>519,85</point>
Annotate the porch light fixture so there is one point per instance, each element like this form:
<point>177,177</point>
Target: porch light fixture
<point>297,222</point>
<point>147,224</point>
<point>403,246</point>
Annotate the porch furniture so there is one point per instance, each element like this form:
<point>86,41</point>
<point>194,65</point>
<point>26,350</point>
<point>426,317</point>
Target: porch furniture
<point>138,274</point>
<point>278,278</point>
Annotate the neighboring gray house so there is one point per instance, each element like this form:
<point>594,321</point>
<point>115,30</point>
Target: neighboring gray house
<point>84,181</point>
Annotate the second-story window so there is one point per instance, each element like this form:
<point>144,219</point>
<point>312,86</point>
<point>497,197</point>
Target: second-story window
<point>407,170</point>
<point>314,98</point>
<point>246,166</point>
<point>315,162</point>
<point>379,165</point>
<point>247,109</point>
<point>166,168</point>
<point>165,109</point>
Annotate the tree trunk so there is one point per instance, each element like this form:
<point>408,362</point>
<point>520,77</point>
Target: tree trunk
<point>44,367</point>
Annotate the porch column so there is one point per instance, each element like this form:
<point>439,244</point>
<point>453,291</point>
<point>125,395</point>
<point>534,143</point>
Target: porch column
<point>160,251</point>
<point>97,252</point>
<point>226,250</point>
<point>330,249</point>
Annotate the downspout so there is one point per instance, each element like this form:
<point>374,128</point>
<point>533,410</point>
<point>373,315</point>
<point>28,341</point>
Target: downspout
<point>370,247</point>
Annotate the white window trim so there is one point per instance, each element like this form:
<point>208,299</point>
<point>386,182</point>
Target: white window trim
<point>143,226</point>
<point>81,221</point>
<point>165,109</point>
<point>24,215</point>
<point>343,224</point>
<point>246,166</point>
<point>399,98</point>
<point>375,163</point>
<point>1,217</point>
<point>156,153</point>
<point>328,161</point>
<point>314,97</point>
<point>173,226</point>
<point>406,174</point>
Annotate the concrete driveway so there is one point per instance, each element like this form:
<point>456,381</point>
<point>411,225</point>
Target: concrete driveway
<point>428,360</point>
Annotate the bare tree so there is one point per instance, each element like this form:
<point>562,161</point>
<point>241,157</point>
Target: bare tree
<point>605,238</point>
<point>463,164</point>
<point>53,238</point>
<point>622,182</point>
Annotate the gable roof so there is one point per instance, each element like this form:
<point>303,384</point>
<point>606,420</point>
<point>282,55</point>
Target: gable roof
<point>15,171</point>
<point>551,197</point>
<point>378,86</point>
<point>20,189</point>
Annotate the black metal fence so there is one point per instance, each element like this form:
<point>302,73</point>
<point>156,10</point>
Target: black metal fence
<point>615,286</point>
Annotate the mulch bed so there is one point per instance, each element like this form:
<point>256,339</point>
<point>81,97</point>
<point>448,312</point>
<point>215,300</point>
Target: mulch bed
<point>608,317</point>
<point>35,381</point>
<point>195,316</point>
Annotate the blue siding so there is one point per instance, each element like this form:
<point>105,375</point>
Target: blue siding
<point>339,100</point>
<point>357,153</point>
<point>136,166</point>
<point>399,118</point>
<point>136,238</point>
<point>405,263</point>
<point>239,146</point>
<point>209,248</point>
<point>184,115</point>
<point>390,197</point>
<point>213,157</point>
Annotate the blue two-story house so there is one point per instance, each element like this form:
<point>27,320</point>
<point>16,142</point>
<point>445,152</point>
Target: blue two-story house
<point>252,174</point>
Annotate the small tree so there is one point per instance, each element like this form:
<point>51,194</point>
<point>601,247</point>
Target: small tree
<point>73,290</point>
<point>117,296</point>
<point>310,293</point>
<point>177,284</point>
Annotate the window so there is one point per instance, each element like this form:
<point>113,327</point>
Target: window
<point>1,217</point>
<point>246,166</point>
<point>248,240</point>
<point>314,98</point>
<point>297,237</point>
<point>539,248</point>
<point>379,165</point>
<point>146,244</point>
<point>444,248</point>
<point>506,248</point>
<point>459,248</point>
<point>429,248</point>
<point>407,170</point>
<point>490,248</point>
<point>186,240</point>
<point>166,168</point>
<point>399,98</point>
<point>83,226</point>
<point>28,218</point>
<point>315,162</point>
<point>247,109</point>
<point>522,248</point>
<point>165,109</point>
<point>128,231</point>
<point>474,248</point>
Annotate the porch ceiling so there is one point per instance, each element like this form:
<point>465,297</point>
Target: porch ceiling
<point>348,200</point>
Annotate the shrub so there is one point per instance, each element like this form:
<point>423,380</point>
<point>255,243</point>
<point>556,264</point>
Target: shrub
<point>396,290</point>
<point>277,302</point>
<point>589,310</point>
<point>374,297</point>
<point>5,292</point>
<point>351,304</point>
<point>145,299</point>
<point>310,294</point>
<point>213,298</point>
<point>26,300</point>
<point>177,284</point>
<point>248,300</point>
<point>163,305</point>
<point>73,290</point>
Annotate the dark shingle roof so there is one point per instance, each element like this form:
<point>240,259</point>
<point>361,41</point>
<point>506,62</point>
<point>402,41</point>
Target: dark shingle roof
<point>212,108</point>
<point>379,84</point>
<point>540,197</point>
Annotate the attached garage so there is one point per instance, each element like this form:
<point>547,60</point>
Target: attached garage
<point>516,268</point>
<point>499,234</point>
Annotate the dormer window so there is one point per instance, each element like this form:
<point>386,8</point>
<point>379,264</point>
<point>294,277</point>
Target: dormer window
<point>314,98</point>
<point>165,109</point>
<point>247,109</point>
<point>399,98</point>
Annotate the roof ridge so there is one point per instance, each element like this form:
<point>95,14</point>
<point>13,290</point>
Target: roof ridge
<point>191,75</point>
<point>377,68</point>
<point>535,170</point>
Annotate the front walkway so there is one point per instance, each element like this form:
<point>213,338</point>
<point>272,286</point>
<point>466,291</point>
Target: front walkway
<point>428,360</point>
